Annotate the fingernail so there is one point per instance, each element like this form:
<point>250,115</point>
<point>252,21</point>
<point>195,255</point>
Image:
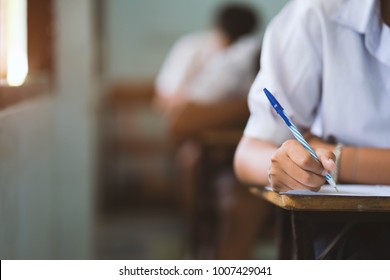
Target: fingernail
<point>324,172</point>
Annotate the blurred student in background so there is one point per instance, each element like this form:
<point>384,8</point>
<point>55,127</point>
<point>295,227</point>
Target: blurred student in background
<point>204,84</point>
<point>211,65</point>
<point>308,55</point>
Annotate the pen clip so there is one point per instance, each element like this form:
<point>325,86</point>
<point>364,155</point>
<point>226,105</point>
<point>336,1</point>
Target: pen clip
<point>273,101</point>
<point>278,108</point>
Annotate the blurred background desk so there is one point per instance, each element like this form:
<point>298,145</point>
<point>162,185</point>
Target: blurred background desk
<point>217,149</point>
<point>297,214</point>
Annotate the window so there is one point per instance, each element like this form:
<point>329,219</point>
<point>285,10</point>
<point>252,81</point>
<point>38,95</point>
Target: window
<point>26,47</point>
<point>13,38</point>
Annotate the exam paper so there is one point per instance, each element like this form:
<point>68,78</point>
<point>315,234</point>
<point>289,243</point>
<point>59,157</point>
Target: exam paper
<point>346,190</point>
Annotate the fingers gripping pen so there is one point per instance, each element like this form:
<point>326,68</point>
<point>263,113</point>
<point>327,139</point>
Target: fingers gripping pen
<point>279,109</point>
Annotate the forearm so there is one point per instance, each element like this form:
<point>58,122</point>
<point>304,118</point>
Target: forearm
<point>252,160</point>
<point>364,166</point>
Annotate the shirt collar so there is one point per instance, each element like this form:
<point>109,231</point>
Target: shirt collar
<point>356,14</point>
<point>363,16</point>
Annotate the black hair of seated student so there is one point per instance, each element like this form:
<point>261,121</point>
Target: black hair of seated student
<point>236,20</point>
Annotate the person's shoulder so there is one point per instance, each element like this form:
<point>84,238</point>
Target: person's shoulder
<point>306,14</point>
<point>319,3</point>
<point>188,44</point>
<point>194,38</point>
<point>246,45</point>
<point>322,7</point>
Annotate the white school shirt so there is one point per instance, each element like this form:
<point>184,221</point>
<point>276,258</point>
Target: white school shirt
<point>206,73</point>
<point>326,61</point>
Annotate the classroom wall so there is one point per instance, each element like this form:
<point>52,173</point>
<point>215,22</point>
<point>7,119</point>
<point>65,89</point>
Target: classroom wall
<point>47,152</point>
<point>138,34</point>
<point>27,188</point>
<point>77,93</point>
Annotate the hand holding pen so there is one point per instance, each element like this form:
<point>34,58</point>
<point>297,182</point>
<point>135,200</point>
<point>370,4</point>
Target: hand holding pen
<point>295,165</point>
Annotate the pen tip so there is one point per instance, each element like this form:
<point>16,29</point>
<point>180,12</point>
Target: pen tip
<point>333,184</point>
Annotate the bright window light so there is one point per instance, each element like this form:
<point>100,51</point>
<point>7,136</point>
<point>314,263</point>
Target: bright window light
<point>13,38</point>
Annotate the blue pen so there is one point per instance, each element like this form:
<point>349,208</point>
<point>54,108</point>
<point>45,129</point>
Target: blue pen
<point>279,109</point>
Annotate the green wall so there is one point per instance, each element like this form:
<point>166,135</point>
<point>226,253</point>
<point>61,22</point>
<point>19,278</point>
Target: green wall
<point>138,34</point>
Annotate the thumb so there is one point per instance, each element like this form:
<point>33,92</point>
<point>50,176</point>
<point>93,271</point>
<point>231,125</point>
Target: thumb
<point>327,159</point>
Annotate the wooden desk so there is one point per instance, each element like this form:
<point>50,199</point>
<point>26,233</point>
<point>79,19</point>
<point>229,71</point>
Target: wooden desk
<point>298,213</point>
<point>214,149</point>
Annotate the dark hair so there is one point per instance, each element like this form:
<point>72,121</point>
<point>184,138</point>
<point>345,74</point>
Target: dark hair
<point>236,20</point>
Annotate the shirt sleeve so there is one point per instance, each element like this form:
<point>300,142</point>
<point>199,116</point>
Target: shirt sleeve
<point>291,67</point>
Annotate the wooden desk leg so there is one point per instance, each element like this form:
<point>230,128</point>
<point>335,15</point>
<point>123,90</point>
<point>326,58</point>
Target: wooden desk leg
<point>302,234</point>
<point>284,234</point>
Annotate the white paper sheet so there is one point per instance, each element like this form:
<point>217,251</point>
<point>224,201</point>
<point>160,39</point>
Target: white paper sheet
<point>346,190</point>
